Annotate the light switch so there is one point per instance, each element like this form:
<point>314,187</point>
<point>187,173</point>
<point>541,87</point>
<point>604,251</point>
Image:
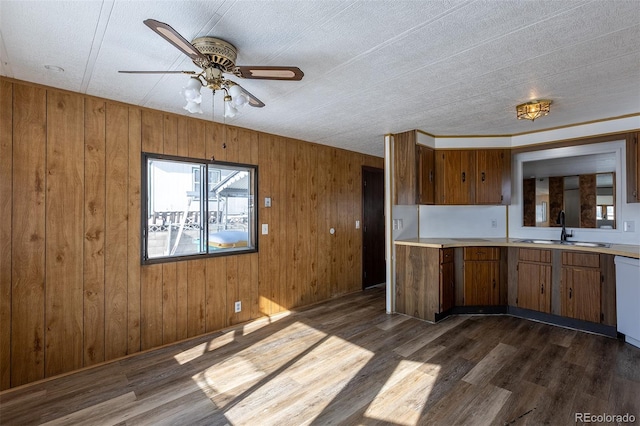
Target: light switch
<point>265,228</point>
<point>629,226</point>
<point>267,202</point>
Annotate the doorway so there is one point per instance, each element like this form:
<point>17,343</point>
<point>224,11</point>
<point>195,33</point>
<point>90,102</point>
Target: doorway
<point>373,262</point>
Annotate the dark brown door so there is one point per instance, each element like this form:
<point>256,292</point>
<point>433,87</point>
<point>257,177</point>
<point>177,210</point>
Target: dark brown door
<point>373,264</point>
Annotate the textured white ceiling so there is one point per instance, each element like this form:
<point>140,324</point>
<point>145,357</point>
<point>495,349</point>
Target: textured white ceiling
<point>447,67</point>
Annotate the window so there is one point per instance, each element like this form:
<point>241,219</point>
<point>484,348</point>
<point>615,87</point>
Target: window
<point>184,218</point>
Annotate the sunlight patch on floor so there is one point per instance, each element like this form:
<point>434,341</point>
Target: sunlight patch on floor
<point>191,353</point>
<point>236,374</point>
<point>317,389</point>
<point>407,406</point>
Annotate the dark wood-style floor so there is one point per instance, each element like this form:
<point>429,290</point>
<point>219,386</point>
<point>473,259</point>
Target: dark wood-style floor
<point>347,362</point>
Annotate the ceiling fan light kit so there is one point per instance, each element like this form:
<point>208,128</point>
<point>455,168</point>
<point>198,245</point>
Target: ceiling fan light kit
<point>533,109</point>
<point>215,57</point>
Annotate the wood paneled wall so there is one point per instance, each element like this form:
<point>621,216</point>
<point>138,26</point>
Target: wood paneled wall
<point>72,290</point>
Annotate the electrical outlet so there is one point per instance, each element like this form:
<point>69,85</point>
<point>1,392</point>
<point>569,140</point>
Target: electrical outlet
<point>357,224</point>
<point>267,202</point>
<point>494,223</point>
<point>629,226</point>
<point>238,307</point>
<point>265,228</point>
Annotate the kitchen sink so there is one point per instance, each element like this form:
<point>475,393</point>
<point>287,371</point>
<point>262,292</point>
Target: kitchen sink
<point>585,244</point>
<point>541,241</point>
<point>567,243</point>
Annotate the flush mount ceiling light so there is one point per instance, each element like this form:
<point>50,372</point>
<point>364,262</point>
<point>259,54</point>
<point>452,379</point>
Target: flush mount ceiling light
<point>534,109</point>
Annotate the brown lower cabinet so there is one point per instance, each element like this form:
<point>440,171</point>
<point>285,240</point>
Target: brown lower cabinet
<point>534,280</point>
<point>447,280</point>
<point>424,281</point>
<point>481,276</point>
<point>580,286</point>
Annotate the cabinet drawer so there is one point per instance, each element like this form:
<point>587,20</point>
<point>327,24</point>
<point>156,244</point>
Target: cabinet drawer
<point>481,253</point>
<point>588,260</point>
<point>534,255</point>
<point>446,255</point>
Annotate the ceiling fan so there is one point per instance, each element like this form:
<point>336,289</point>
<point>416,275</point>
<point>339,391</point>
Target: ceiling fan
<point>216,57</point>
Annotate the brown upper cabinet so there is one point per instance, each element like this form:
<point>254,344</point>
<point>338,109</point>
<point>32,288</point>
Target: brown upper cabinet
<point>633,167</point>
<point>455,176</point>
<point>423,175</point>
<point>426,175</point>
<point>480,176</point>
<point>493,177</point>
<point>405,168</point>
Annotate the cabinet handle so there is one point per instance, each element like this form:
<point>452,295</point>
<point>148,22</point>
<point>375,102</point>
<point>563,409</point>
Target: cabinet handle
<point>431,176</point>
<point>494,283</point>
<point>541,288</point>
<point>570,292</point>
<point>464,176</point>
<point>483,176</point>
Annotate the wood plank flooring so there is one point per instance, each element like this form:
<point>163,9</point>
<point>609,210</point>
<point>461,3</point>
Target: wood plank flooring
<point>347,362</point>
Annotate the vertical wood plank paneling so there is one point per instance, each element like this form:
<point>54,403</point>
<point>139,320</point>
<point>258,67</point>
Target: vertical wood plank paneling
<point>169,270</point>
<point>100,302</point>
<point>6,180</point>
<point>255,292</point>
<point>341,242</point>
<point>243,280</point>
<point>196,318</point>
<point>216,294</point>
<point>302,224</point>
<point>268,181</point>
<point>28,234</point>
<point>181,267</point>
<point>197,146</point>
<point>65,226</point>
<point>233,144</point>
<point>151,275</point>
<point>116,239</point>
<point>150,306</point>
<point>170,139</point>
<point>94,235</point>
<point>133,232</point>
<point>216,143</point>
<point>353,209</point>
<point>169,302</point>
<point>323,237</point>
<point>278,227</point>
<point>233,292</point>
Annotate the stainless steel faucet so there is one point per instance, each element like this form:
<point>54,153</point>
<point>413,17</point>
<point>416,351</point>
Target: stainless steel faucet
<point>561,221</point>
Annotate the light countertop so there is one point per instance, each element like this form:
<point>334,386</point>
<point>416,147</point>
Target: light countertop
<point>626,250</point>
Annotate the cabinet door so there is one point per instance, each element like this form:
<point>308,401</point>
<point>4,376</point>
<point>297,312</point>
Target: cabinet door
<point>404,170</point>
<point>455,176</point>
<point>481,283</point>
<point>447,285</point>
<point>489,176</point>
<point>426,175</point>
<point>534,286</point>
<point>580,293</point>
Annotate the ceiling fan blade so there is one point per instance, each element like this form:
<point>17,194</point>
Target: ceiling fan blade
<point>253,101</point>
<point>158,72</point>
<point>172,36</point>
<point>269,73</point>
